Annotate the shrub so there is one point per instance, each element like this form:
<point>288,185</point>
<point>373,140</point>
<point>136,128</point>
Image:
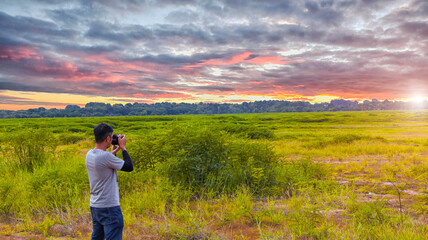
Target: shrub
<point>151,150</point>
<point>146,153</point>
<point>204,161</point>
<point>29,149</point>
<point>201,158</point>
<point>253,164</point>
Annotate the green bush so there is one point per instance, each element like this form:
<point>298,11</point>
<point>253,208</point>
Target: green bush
<point>253,164</point>
<point>199,160</point>
<point>29,149</point>
<point>204,160</point>
<point>150,150</point>
<point>146,153</point>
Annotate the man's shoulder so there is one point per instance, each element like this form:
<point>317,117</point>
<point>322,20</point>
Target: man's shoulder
<point>97,153</point>
<point>90,151</point>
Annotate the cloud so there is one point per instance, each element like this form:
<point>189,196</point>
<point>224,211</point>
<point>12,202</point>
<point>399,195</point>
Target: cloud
<point>419,29</point>
<point>32,29</point>
<point>166,50</point>
<point>117,33</point>
<point>182,16</point>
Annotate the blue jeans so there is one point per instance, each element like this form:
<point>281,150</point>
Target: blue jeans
<point>107,223</point>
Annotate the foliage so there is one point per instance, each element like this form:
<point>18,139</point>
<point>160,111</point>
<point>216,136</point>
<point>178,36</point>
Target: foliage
<point>204,160</point>
<point>61,187</point>
<point>29,149</point>
<point>146,153</point>
<point>253,164</point>
<point>200,162</point>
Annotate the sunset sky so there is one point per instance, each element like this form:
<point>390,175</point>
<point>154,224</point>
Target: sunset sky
<point>56,53</point>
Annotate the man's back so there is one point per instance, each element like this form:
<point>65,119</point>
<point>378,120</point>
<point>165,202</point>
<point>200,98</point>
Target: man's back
<point>102,166</point>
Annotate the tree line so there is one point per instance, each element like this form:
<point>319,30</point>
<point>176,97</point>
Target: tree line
<point>96,109</point>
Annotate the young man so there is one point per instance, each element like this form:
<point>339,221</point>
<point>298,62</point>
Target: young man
<point>107,218</point>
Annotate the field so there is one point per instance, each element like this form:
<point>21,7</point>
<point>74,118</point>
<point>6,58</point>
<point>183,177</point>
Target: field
<point>331,175</point>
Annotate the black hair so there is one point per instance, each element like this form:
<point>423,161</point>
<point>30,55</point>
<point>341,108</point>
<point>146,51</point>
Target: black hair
<point>102,131</point>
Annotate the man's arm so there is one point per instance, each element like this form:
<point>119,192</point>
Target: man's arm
<point>128,166</point>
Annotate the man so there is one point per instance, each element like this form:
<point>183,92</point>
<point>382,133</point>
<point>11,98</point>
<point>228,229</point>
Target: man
<point>107,218</point>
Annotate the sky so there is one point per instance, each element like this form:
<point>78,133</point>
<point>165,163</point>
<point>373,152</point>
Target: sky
<point>57,53</point>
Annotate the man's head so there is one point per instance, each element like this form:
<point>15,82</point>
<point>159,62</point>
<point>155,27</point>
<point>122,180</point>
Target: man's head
<point>102,131</point>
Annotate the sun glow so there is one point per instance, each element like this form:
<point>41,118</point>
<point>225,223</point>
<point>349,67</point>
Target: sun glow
<point>418,99</point>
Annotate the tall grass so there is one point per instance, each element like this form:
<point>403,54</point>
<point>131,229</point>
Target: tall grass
<point>28,149</point>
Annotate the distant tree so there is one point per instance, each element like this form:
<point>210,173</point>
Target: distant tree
<point>93,109</point>
<point>72,108</point>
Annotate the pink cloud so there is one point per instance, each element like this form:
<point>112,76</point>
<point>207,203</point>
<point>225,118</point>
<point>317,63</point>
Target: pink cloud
<point>19,52</point>
<point>217,62</point>
<point>266,60</point>
<point>101,68</point>
<point>244,57</point>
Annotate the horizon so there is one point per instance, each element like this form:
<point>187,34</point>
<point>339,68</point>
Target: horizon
<point>55,54</point>
<point>411,104</point>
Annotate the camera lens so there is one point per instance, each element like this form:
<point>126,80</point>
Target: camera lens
<point>115,139</point>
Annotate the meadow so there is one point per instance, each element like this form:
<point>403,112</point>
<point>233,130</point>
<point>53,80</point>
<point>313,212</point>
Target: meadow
<point>328,175</point>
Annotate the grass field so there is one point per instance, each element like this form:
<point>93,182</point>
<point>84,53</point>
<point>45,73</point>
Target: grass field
<point>332,175</point>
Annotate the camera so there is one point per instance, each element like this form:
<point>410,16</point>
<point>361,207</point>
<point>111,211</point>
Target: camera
<point>115,139</point>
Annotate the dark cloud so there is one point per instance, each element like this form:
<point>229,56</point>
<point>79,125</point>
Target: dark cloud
<point>414,10</point>
<point>69,17</point>
<point>29,28</point>
<point>79,50</point>
<point>31,87</point>
<point>419,29</point>
<point>186,60</point>
<point>117,33</point>
<point>4,98</point>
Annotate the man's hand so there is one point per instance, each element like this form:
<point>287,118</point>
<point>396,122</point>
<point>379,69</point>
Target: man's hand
<point>115,149</point>
<point>122,142</point>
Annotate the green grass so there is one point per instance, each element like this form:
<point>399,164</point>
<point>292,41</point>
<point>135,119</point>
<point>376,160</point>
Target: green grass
<point>341,175</point>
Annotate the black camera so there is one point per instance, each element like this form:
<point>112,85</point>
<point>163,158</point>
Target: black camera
<point>115,139</point>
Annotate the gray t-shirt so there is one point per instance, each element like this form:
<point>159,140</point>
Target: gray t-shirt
<point>102,167</point>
